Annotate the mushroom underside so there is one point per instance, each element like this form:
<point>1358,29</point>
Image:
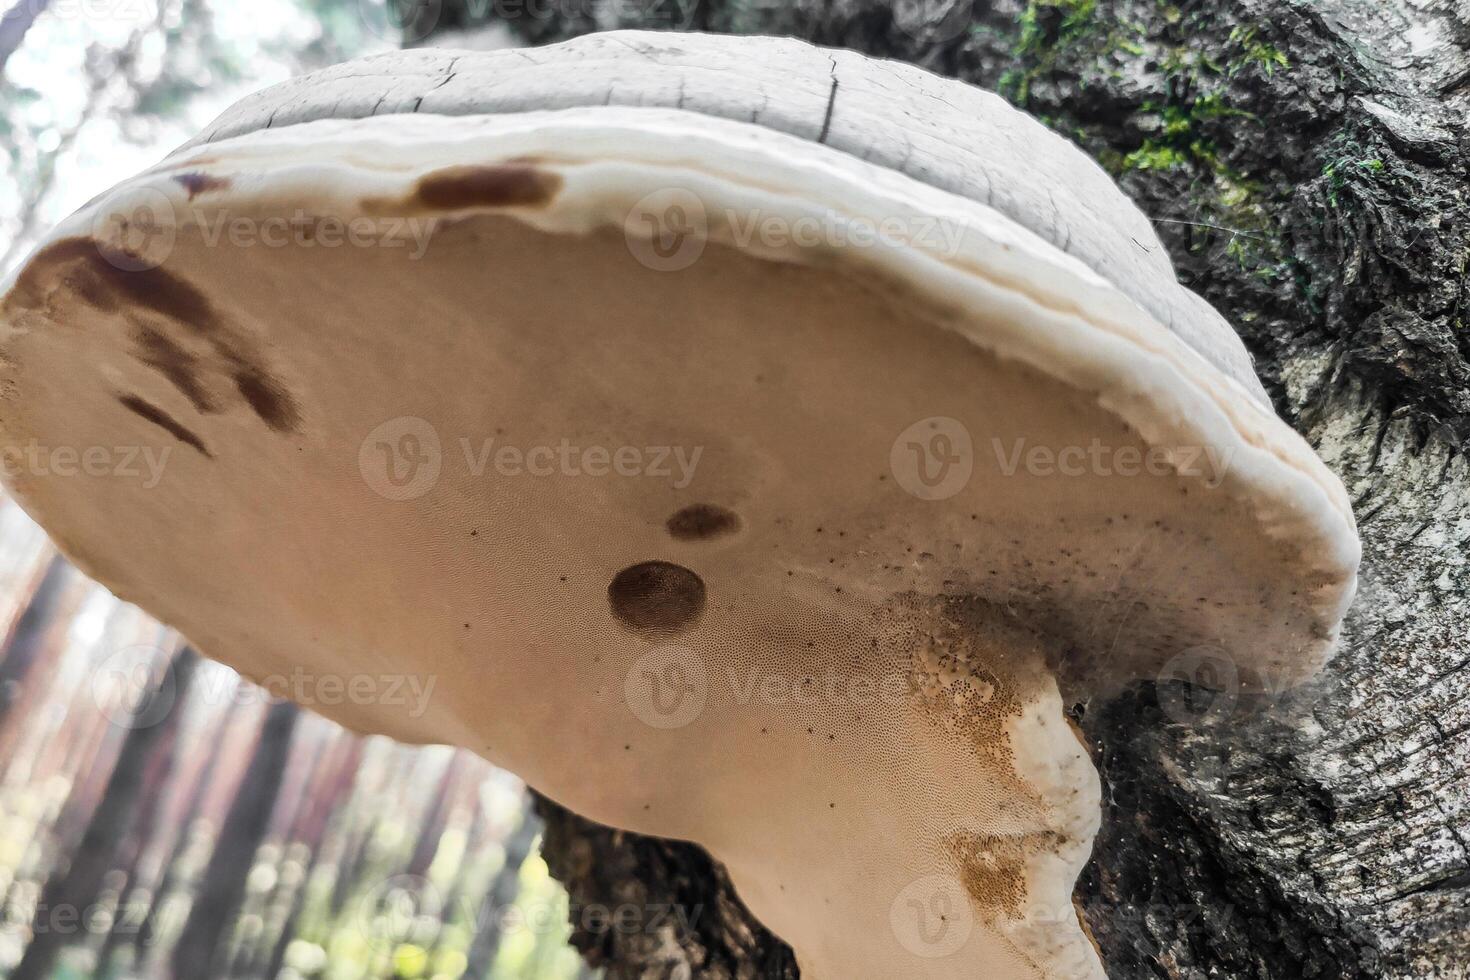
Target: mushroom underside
<point>784,527</point>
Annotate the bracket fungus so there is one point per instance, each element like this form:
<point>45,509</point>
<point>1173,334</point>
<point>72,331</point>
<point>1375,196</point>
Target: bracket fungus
<point>761,446</point>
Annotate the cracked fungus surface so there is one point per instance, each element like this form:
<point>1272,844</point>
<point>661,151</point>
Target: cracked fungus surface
<point>751,636</point>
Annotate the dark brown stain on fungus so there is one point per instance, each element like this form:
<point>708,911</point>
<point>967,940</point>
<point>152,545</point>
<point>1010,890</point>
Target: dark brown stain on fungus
<point>108,279</point>
<point>196,183</point>
<point>656,597</point>
<point>155,289</point>
<point>103,276</point>
<point>90,290</point>
<point>111,274</point>
<point>160,352</point>
<point>49,266</point>
<point>497,186</point>
<point>163,420</point>
<point>268,398</point>
<point>701,522</point>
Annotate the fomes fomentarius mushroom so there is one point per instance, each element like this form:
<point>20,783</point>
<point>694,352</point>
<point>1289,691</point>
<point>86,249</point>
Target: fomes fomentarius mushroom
<point>759,445</point>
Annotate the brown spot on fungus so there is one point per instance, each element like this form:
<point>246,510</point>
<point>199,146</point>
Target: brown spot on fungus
<point>269,400</point>
<point>656,597</point>
<point>154,288</point>
<point>114,274</point>
<point>46,267</point>
<point>107,278</point>
<point>160,352</point>
<point>501,185</point>
<point>701,522</point>
<point>90,290</point>
<point>197,183</point>
<point>163,420</point>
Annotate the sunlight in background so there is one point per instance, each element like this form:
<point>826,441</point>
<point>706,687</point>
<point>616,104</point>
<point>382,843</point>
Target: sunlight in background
<point>102,89</point>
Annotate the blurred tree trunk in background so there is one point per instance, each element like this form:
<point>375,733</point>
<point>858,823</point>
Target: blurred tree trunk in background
<point>503,891</point>
<point>1305,163</point>
<point>329,790</point>
<point>71,897</point>
<point>28,638</point>
<point>206,937</point>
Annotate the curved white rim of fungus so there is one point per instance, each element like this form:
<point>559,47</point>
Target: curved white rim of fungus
<point>1046,310</point>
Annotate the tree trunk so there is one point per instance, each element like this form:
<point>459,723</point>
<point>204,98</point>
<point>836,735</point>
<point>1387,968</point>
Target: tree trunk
<point>70,902</point>
<point>490,924</point>
<point>206,934</point>
<point>25,646</point>
<point>1306,163</point>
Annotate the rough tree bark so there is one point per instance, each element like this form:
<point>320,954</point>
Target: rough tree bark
<point>1306,163</point>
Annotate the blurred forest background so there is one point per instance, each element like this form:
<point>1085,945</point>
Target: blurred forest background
<point>160,816</point>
